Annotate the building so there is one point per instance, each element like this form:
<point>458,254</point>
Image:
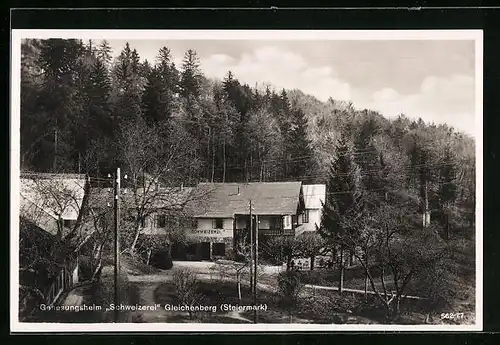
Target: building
<point>222,217</point>
<point>52,201</point>
<point>216,216</point>
<point>164,210</point>
<point>51,232</point>
<point>314,198</point>
<point>45,266</point>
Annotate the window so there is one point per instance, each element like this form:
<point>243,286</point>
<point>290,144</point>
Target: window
<point>161,221</point>
<point>218,249</point>
<point>305,216</point>
<point>275,223</point>
<point>286,222</point>
<point>218,223</point>
<point>295,219</point>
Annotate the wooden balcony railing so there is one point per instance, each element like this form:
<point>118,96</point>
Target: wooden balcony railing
<point>265,232</point>
<point>277,232</point>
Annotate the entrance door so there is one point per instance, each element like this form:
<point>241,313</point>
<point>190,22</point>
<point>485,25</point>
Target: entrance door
<point>205,250</point>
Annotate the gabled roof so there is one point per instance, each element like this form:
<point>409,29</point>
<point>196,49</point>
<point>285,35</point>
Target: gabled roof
<point>314,195</point>
<point>55,194</point>
<point>227,199</point>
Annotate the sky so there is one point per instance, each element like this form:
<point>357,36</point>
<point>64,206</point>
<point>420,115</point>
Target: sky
<point>430,79</point>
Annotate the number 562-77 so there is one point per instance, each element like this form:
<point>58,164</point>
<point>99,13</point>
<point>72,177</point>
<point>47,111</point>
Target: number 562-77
<point>452,316</point>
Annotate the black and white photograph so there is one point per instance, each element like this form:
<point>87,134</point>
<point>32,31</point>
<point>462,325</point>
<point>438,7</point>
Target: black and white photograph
<point>232,180</point>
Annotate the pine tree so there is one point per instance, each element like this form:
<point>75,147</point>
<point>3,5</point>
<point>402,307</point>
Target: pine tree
<point>300,146</point>
<point>32,124</point>
<point>60,61</point>
<point>370,160</point>
<point>159,97</point>
<point>239,98</point>
<point>127,86</point>
<point>167,70</point>
<point>154,111</point>
<point>343,202</point>
<point>191,76</point>
<point>104,52</point>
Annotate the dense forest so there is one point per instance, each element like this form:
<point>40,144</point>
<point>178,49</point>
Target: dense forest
<point>86,109</point>
<point>83,110</point>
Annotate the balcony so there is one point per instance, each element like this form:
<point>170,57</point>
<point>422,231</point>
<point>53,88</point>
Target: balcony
<point>277,232</point>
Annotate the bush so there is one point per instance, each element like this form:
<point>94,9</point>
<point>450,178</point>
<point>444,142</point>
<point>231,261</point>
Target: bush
<point>161,259</point>
<point>314,277</point>
<point>186,285</point>
<point>289,288</point>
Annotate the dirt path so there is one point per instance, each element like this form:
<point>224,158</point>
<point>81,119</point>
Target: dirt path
<point>74,298</point>
<point>147,285</point>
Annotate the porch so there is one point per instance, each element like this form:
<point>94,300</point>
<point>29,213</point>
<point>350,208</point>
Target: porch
<point>266,225</point>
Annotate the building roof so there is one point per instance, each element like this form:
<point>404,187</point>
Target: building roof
<point>314,195</point>
<point>55,194</point>
<point>162,198</point>
<point>224,200</point>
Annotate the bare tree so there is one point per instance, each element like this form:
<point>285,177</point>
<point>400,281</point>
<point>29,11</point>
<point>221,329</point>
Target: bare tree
<point>287,248</point>
<point>99,216</point>
<point>46,199</point>
<point>155,163</point>
<point>47,242</point>
<point>393,243</point>
<point>243,250</point>
<point>186,284</point>
<point>309,245</point>
<point>283,249</point>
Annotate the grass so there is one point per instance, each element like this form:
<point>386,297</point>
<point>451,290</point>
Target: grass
<point>134,266</point>
<point>323,307</point>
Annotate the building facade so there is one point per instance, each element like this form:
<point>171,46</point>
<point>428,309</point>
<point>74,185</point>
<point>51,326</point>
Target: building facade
<point>220,216</point>
<point>314,198</point>
<point>222,219</point>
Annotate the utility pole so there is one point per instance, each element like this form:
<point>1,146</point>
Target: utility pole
<point>256,253</point>
<point>251,248</point>
<point>54,164</point>
<point>117,241</point>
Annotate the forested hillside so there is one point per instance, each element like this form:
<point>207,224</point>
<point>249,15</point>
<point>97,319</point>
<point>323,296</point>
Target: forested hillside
<point>82,110</point>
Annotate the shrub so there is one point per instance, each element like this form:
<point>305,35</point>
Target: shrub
<point>289,288</point>
<point>313,277</point>
<point>186,285</point>
<point>161,259</point>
